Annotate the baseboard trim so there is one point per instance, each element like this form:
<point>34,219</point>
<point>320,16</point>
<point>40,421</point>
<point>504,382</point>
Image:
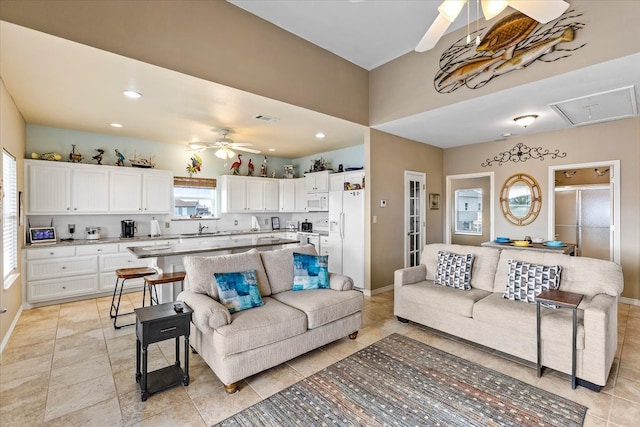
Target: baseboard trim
<point>377,291</point>
<point>630,301</point>
<point>5,340</point>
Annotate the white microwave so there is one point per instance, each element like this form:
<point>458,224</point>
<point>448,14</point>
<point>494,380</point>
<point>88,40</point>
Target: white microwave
<point>317,202</point>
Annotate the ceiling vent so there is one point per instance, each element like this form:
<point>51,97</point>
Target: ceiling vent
<point>600,107</point>
<point>266,118</point>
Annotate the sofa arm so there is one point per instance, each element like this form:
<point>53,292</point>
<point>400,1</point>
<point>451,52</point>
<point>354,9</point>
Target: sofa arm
<point>405,276</point>
<point>339,282</point>
<point>208,314</point>
<point>601,335</point>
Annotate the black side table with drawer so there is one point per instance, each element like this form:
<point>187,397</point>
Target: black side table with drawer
<point>158,323</point>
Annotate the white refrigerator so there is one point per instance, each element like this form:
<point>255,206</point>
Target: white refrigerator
<point>346,234</point>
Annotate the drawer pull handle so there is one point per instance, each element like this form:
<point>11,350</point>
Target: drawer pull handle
<point>64,268</point>
<point>173,328</point>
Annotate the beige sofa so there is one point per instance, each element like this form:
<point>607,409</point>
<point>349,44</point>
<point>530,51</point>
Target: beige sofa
<point>483,316</point>
<point>290,323</point>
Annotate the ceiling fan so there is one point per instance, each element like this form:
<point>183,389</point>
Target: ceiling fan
<point>224,145</point>
<point>541,11</point>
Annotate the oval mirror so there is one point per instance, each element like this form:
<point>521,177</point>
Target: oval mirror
<point>520,199</point>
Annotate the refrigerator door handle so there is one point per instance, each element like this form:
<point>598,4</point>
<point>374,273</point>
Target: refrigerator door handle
<point>341,225</point>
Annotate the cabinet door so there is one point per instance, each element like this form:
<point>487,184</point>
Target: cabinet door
<point>90,190</point>
<point>233,194</point>
<point>156,192</point>
<point>287,195</point>
<point>49,189</point>
<point>255,195</point>
<point>270,195</point>
<point>317,182</point>
<point>125,191</point>
<point>301,195</point>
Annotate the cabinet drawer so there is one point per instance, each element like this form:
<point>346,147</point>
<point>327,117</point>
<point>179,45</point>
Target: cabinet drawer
<point>164,329</point>
<point>51,252</point>
<point>61,288</point>
<point>108,248</point>
<point>49,269</point>
<point>113,262</point>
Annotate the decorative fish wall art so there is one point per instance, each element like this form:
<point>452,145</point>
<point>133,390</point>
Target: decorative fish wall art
<point>513,43</point>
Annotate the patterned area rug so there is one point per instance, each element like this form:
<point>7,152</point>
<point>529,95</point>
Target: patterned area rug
<point>399,381</point>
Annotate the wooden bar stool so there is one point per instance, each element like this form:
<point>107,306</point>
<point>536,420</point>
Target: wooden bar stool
<point>160,279</point>
<point>122,275</point>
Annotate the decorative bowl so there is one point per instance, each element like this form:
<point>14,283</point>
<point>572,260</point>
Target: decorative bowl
<point>521,242</point>
<point>537,240</point>
<point>503,239</point>
<point>554,243</point>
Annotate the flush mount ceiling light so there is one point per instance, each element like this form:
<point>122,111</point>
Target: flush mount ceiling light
<point>132,94</point>
<point>525,121</point>
<point>115,125</point>
<point>272,149</point>
<point>320,135</point>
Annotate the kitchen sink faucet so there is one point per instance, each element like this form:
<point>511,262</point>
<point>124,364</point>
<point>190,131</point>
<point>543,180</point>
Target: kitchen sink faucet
<point>201,227</point>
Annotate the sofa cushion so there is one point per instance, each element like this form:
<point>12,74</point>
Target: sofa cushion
<point>451,300</point>
<point>323,306</point>
<point>238,290</point>
<point>484,263</point>
<point>200,271</point>
<point>454,270</point>
<point>310,271</point>
<point>556,325</point>
<point>260,326</point>
<point>279,266</point>
<point>527,280</point>
<point>587,276</point>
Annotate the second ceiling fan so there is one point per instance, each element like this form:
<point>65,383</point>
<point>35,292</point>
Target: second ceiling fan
<point>225,146</point>
<point>541,11</point>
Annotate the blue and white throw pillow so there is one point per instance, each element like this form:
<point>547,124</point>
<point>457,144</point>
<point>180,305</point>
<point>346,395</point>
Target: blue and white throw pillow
<point>238,290</point>
<point>454,270</point>
<point>310,271</point>
<point>527,280</point>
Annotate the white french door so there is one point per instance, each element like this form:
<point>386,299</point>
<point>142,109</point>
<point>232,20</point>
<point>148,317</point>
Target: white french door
<point>415,222</point>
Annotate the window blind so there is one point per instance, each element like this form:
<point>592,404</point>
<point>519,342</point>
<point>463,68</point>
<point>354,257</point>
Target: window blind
<point>9,215</point>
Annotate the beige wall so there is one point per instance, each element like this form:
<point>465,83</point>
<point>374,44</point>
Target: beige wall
<point>213,40</point>
<point>12,139</point>
<point>404,87</point>
<point>618,140</point>
<point>389,157</point>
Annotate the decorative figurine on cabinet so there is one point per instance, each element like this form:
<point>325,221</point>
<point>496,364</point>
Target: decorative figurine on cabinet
<point>74,156</point>
<point>250,168</point>
<point>98,157</point>
<point>263,168</point>
<point>119,158</point>
<point>235,167</point>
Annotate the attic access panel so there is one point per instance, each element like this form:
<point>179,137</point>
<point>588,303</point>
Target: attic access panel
<point>600,107</point>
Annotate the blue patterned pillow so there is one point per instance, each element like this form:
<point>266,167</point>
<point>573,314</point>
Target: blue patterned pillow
<point>527,280</point>
<point>238,290</point>
<point>310,271</point>
<point>454,270</point>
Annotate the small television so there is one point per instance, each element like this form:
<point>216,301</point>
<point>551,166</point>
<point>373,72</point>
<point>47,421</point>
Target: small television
<point>39,235</point>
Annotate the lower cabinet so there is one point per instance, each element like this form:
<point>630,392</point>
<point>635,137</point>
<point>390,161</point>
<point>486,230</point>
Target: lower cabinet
<point>44,290</point>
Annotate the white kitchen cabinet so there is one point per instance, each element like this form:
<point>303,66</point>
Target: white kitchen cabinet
<point>317,182</point>
<point>89,189</point>
<point>301,195</point>
<point>337,180</point>
<point>53,289</point>
<point>292,195</point>
<point>140,191</point>
<point>246,194</point>
<point>48,187</point>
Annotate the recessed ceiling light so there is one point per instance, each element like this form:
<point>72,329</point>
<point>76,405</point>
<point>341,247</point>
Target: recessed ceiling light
<point>272,149</point>
<point>116,125</point>
<point>506,134</point>
<point>320,135</point>
<point>132,94</point>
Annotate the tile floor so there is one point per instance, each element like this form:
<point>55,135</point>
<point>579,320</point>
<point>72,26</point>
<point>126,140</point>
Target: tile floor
<point>65,365</point>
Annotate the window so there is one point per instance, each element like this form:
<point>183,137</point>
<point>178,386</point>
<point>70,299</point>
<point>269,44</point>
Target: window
<point>9,216</point>
<point>194,198</point>
<point>468,221</point>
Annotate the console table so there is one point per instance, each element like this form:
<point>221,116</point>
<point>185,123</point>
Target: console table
<point>567,248</point>
<point>562,299</point>
<point>158,323</point>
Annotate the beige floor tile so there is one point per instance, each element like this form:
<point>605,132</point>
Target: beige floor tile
<point>184,416</point>
<point>598,403</point>
<point>135,411</point>
<point>16,354</point>
<point>25,368</point>
<point>24,392</point>
<point>624,413</point>
<point>591,421</point>
<point>27,414</point>
<point>66,399</point>
<point>102,414</point>
<point>78,354</point>
<point>217,406</point>
<point>634,310</point>
<point>202,381</point>
<point>49,312</point>
<point>85,370</point>
<point>273,380</point>
<point>93,337</point>
<point>628,389</point>
<point>24,336</point>
<point>312,362</point>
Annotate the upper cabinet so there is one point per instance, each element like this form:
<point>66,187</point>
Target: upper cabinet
<point>293,195</point>
<point>248,194</point>
<point>317,182</point>
<point>69,188</point>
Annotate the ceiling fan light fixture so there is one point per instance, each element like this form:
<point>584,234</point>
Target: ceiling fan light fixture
<point>525,121</point>
<point>492,8</point>
<point>132,94</point>
<point>225,153</point>
<point>450,9</point>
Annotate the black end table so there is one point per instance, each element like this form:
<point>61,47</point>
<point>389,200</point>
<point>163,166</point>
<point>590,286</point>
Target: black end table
<point>562,299</point>
<point>159,323</point>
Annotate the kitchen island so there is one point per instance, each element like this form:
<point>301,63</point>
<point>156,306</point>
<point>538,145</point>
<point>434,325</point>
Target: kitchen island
<point>168,258</point>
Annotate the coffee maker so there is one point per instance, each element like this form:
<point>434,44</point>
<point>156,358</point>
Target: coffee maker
<point>128,227</point>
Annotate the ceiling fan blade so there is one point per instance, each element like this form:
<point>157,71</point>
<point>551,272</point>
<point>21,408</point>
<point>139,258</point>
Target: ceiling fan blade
<point>433,34</point>
<point>450,9</point>
<point>541,11</point>
<point>241,144</point>
<point>248,150</point>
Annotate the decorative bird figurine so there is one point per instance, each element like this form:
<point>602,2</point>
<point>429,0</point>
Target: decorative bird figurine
<point>120,156</point>
<point>98,157</point>
<point>263,168</point>
<point>194,166</point>
<point>235,167</point>
<point>250,168</point>
<point>601,172</point>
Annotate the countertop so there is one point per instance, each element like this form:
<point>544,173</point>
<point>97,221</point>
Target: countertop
<point>186,247</point>
<point>76,242</point>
